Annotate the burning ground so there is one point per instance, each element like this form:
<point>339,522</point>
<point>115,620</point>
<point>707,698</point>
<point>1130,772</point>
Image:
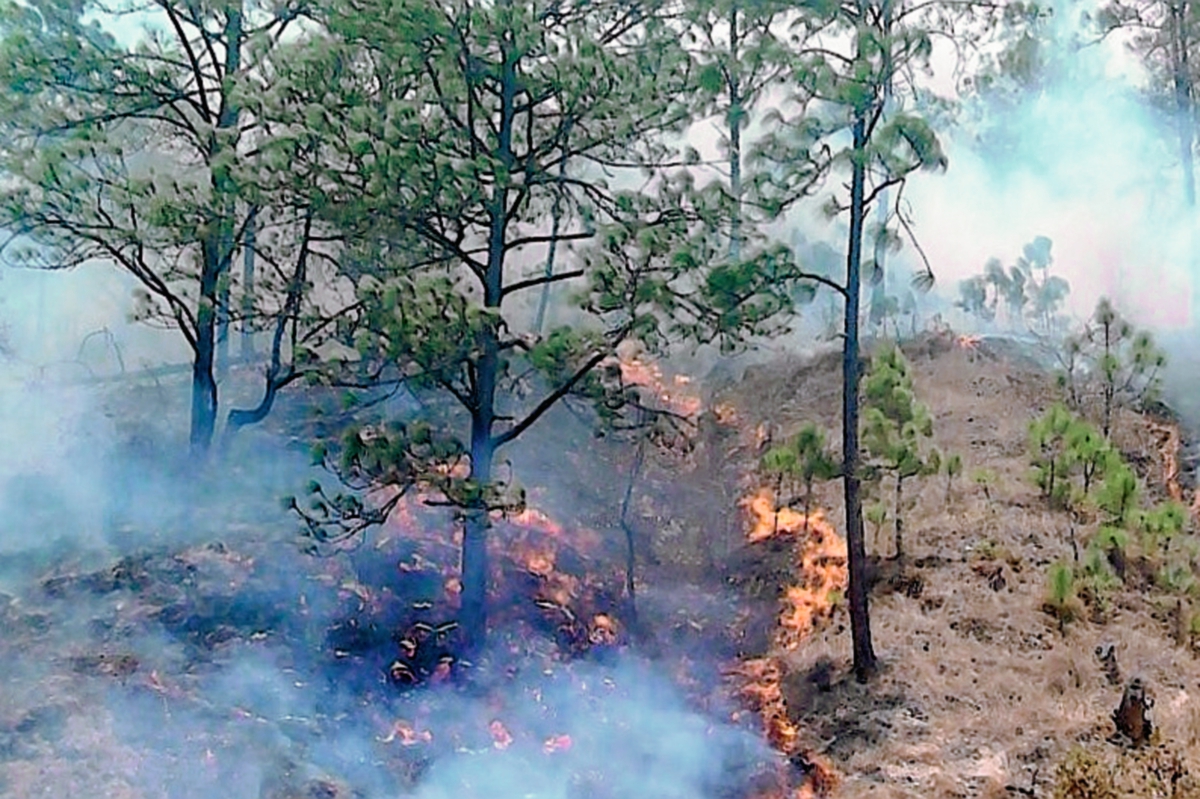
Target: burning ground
<point>201,653</point>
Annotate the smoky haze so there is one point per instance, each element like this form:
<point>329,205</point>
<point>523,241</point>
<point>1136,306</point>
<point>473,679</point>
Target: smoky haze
<point>92,476</point>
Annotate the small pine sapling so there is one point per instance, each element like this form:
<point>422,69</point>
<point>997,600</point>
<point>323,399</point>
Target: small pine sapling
<point>1159,527</point>
<point>985,479</point>
<point>1112,541</point>
<point>953,468</point>
<point>894,425</point>
<point>1091,451</point>
<point>804,459</point>
<point>1129,361</point>
<point>877,515</point>
<point>1049,453</point>
<point>1118,495</point>
<point>1061,600</point>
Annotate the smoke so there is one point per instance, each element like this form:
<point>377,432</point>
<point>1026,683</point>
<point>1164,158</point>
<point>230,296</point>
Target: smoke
<point>1081,152</point>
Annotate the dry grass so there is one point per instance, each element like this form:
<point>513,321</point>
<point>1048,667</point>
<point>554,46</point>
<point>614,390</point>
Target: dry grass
<point>980,694</point>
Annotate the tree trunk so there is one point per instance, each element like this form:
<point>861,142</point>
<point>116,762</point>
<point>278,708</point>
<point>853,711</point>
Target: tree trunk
<point>860,624</point>
<point>204,386</point>
<point>736,112</point>
<point>630,550</point>
<point>486,374</point>
<point>247,344</point>
<point>556,213</point>
<point>475,555</point>
<point>216,251</point>
<point>276,376</point>
<point>1110,379</point>
<point>899,522</point>
<point>1183,98</point>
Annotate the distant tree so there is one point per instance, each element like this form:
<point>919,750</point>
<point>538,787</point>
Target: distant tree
<point>1165,34</point>
<point>1027,291</point>
<point>739,57</point>
<point>1111,363</point>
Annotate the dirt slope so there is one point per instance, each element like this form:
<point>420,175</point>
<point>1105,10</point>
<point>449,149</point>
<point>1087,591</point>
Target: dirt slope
<point>980,694</point>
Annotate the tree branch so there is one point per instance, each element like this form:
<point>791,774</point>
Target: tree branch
<point>548,402</point>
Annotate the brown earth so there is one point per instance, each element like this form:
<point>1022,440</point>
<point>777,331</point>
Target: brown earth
<point>980,694</point>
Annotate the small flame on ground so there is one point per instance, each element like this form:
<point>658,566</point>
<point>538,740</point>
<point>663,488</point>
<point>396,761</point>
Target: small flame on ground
<point>406,734</point>
<point>501,737</point>
<point>822,574</point>
<point>556,743</point>
<point>675,394</point>
<point>822,568</point>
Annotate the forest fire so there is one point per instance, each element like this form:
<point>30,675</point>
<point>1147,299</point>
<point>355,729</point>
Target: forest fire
<point>822,570</point>
<point>675,394</point>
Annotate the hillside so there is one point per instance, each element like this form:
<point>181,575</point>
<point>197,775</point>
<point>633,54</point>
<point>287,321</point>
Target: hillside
<point>980,694</point>
<point>206,655</point>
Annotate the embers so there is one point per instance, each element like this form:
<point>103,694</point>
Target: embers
<point>576,635</point>
<point>426,654</point>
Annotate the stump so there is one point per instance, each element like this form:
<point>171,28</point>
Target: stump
<point>1132,715</point>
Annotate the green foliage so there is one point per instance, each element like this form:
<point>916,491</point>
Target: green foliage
<point>1177,577</point>
<point>1160,526</point>
<point>136,156</point>
<point>1110,365</point>
<point>1049,453</point>
<point>985,479</point>
<point>1098,574</point>
<point>877,513</point>
<point>1109,537</point>
<point>1117,496</point>
<point>1061,599</point>
<point>1062,445</point>
<point>895,426</point>
<point>952,466</point>
<point>804,459</point>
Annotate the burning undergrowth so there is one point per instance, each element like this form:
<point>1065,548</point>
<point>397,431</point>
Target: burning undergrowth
<point>246,668</point>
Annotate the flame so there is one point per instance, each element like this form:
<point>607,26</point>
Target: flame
<point>760,688</point>
<point>821,573</point>
<point>1169,443</point>
<point>537,520</point>
<point>556,743</point>
<point>822,567</point>
<point>407,734</point>
<point>676,394</point>
<point>968,342</point>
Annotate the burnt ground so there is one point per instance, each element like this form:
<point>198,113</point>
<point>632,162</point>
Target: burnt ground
<point>202,653</point>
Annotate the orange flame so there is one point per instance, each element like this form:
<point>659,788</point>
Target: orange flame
<point>501,737</point>
<point>822,566</point>
<point>406,734</point>
<point>675,394</point>
<point>761,690</point>
<point>822,573</point>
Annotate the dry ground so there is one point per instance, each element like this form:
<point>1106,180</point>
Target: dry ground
<point>979,694</point>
